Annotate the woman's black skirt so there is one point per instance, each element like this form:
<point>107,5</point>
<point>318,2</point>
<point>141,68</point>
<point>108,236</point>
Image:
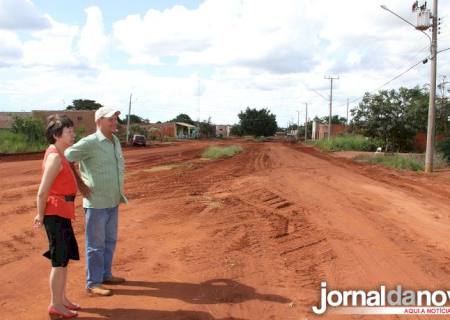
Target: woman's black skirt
<point>62,242</point>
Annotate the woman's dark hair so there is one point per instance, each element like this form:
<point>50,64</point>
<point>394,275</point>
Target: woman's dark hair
<point>55,126</point>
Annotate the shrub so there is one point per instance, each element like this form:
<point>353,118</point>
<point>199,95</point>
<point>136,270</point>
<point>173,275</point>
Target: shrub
<point>221,152</point>
<point>349,143</point>
<point>32,128</point>
<point>11,142</point>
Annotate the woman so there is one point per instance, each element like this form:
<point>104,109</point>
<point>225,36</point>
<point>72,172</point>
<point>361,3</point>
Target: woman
<point>56,208</point>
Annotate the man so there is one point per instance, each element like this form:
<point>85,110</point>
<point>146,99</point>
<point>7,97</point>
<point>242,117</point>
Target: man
<point>102,170</point>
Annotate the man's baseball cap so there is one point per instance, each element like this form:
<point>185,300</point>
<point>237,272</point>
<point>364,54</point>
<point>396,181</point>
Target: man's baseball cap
<point>105,112</point>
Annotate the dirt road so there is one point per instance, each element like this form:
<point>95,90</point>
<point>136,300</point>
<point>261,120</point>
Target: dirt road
<point>251,237</point>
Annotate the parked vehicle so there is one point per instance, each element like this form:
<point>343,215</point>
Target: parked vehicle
<point>139,140</point>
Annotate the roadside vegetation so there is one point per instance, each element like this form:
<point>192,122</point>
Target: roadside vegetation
<point>221,152</point>
<point>412,162</point>
<point>25,135</point>
<point>11,142</point>
<point>349,143</point>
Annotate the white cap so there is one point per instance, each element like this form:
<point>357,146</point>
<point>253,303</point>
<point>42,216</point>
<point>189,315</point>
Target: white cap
<point>105,112</point>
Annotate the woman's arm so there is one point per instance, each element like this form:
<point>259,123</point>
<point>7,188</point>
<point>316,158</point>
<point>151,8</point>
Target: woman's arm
<point>52,168</point>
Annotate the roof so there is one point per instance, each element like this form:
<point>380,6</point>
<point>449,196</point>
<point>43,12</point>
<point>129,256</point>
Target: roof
<point>184,124</point>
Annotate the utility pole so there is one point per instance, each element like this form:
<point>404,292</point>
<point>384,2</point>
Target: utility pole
<point>423,20</point>
<point>306,121</point>
<point>432,102</point>
<point>128,121</point>
<point>331,78</point>
<point>348,120</point>
<point>298,124</point>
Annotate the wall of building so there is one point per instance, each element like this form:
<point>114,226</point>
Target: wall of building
<point>80,118</point>
<point>420,141</point>
<point>223,130</point>
<point>322,130</point>
<point>7,118</point>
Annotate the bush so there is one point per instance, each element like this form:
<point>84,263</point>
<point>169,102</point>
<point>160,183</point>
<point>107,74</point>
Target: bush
<point>444,148</point>
<point>349,143</point>
<point>398,161</point>
<point>221,152</point>
<point>413,162</point>
<point>80,132</point>
<point>11,142</point>
<point>32,128</point>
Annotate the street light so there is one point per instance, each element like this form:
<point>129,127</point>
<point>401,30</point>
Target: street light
<point>400,17</point>
<point>432,101</point>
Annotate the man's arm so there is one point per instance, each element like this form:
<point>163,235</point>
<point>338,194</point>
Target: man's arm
<point>79,151</point>
<point>84,189</point>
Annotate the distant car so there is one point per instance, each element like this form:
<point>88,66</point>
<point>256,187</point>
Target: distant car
<point>139,140</point>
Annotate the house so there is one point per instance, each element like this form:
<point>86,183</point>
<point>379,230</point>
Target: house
<point>223,131</point>
<point>320,130</point>
<point>178,130</point>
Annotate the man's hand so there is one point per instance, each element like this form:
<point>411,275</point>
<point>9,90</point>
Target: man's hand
<point>84,189</point>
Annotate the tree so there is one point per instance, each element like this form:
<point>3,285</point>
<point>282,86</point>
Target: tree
<point>84,104</point>
<point>133,119</point>
<point>392,116</point>
<point>336,119</point>
<point>182,117</point>
<point>258,122</point>
<point>236,130</point>
<point>206,129</point>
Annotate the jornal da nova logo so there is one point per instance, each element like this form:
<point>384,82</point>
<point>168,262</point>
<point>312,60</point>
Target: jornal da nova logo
<point>383,300</point>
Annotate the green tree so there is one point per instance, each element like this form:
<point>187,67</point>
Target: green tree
<point>394,116</point>
<point>182,117</point>
<point>236,130</point>
<point>206,129</point>
<point>336,119</point>
<point>84,104</point>
<point>133,119</point>
<point>258,122</point>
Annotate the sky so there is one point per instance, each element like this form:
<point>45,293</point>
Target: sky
<point>210,58</point>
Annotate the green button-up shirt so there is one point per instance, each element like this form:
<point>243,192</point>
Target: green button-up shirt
<point>102,168</point>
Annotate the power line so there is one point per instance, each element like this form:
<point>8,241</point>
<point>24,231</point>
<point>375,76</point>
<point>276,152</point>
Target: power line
<point>386,83</point>
<point>395,78</point>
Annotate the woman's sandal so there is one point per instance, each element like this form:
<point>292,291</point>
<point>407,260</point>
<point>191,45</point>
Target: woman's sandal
<point>73,306</point>
<point>55,313</point>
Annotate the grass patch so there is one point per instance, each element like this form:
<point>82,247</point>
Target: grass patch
<point>221,152</point>
<point>18,143</point>
<point>348,143</point>
<point>412,162</point>
<point>170,167</point>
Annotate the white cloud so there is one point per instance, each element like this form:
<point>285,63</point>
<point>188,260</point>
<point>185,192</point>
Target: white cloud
<point>51,47</point>
<point>21,15</point>
<point>257,34</point>
<point>10,48</point>
<point>93,40</point>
